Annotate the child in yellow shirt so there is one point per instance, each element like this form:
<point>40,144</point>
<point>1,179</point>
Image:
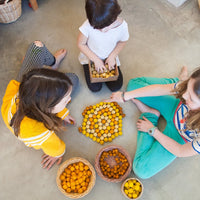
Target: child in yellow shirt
<point>35,108</point>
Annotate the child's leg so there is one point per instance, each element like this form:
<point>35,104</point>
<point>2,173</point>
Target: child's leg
<point>94,87</point>
<point>164,104</point>
<point>75,81</point>
<point>36,56</point>
<point>151,157</point>
<point>116,85</point>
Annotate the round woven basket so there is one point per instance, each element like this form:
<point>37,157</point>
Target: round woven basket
<point>10,11</point>
<point>124,152</point>
<point>122,188</point>
<point>92,180</point>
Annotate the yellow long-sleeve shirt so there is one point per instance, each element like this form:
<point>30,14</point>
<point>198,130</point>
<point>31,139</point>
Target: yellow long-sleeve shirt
<point>32,133</point>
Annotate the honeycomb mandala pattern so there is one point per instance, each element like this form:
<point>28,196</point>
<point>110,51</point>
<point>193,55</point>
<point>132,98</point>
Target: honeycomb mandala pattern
<point>102,122</point>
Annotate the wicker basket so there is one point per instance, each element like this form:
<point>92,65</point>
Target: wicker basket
<point>10,11</point>
<point>61,169</point>
<point>122,188</point>
<point>124,152</point>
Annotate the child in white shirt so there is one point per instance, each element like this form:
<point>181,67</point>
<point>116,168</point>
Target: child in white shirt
<point>102,36</point>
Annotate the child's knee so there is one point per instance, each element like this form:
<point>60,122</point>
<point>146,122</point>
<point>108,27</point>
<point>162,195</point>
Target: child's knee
<point>95,88</point>
<point>141,172</point>
<point>38,43</point>
<point>114,88</point>
<point>73,78</point>
<point>135,83</point>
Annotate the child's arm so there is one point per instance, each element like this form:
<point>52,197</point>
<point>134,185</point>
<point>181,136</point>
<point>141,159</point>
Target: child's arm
<point>69,119</point>
<point>150,90</point>
<point>54,149</point>
<point>82,45</point>
<point>179,150</point>
<point>49,161</point>
<point>66,117</point>
<point>111,60</point>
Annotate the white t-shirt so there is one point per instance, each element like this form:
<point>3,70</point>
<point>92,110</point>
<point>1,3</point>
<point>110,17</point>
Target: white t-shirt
<point>103,43</point>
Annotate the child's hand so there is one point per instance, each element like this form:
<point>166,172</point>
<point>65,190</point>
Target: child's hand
<point>49,161</point>
<point>115,96</point>
<point>111,62</point>
<point>69,119</point>
<point>99,65</point>
<point>144,124</point>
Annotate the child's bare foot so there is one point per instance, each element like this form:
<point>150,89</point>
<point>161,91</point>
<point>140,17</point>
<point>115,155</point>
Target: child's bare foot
<point>183,74</point>
<point>144,108</point>
<point>59,55</point>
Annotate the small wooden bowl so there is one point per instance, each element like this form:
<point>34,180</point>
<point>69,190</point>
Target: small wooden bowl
<point>124,152</point>
<point>62,168</point>
<point>122,188</point>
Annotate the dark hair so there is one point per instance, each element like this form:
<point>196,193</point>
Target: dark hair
<point>102,13</point>
<point>40,90</point>
<point>193,117</point>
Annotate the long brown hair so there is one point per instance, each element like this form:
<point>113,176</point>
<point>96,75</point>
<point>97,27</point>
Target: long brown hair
<point>193,117</point>
<point>39,91</point>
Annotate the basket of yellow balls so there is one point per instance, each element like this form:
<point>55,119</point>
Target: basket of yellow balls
<point>76,177</point>
<point>132,188</point>
<point>113,163</point>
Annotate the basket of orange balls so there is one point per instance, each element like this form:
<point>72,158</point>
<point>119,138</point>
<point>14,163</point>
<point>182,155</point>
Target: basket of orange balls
<point>132,188</point>
<point>76,177</point>
<point>113,163</point>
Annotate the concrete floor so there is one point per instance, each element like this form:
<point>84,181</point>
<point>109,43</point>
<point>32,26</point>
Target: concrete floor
<point>162,39</point>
